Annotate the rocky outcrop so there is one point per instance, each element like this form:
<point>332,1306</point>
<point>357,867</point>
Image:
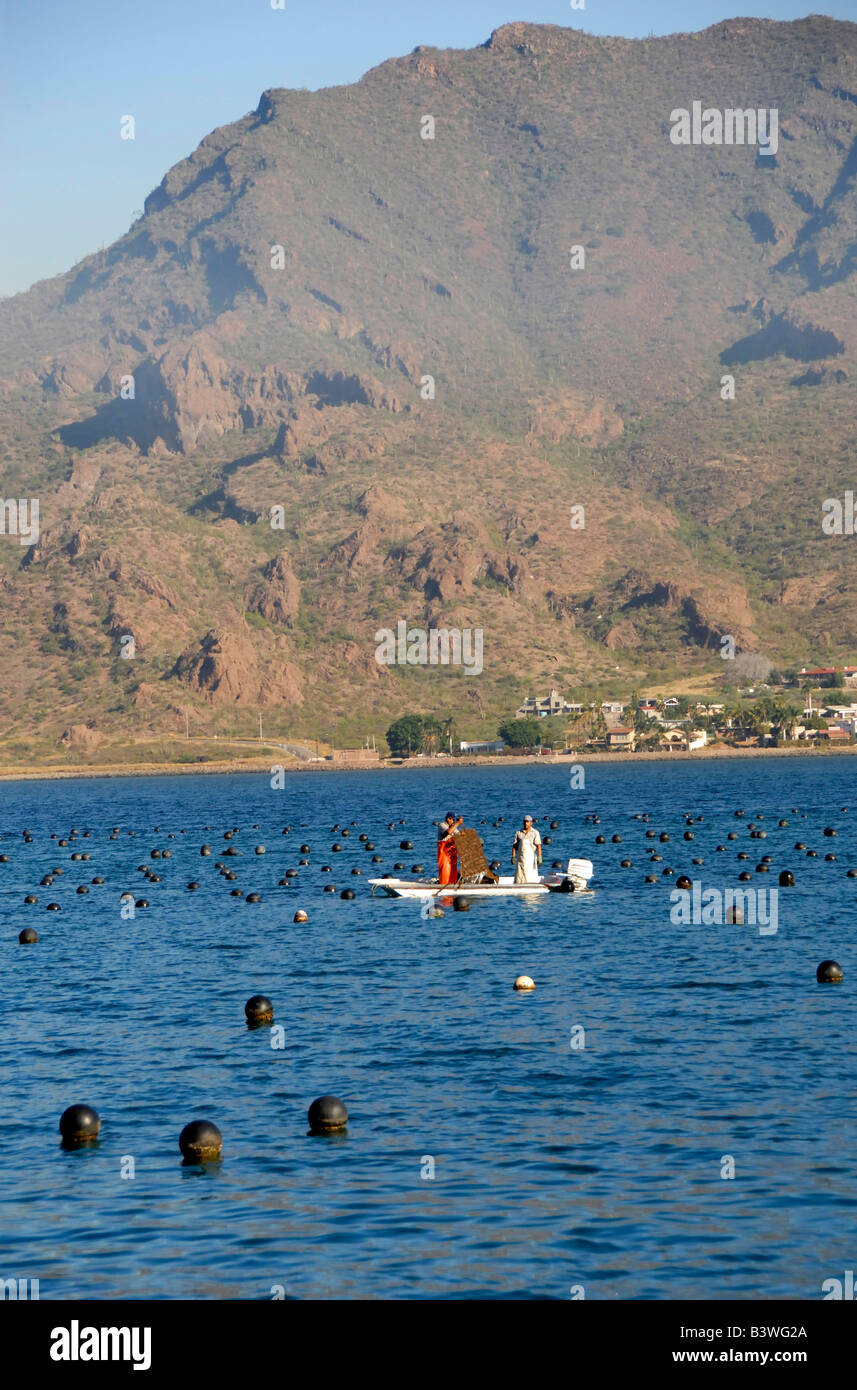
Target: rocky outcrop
<point>278,597</point>
<point>622,634</point>
<point>225,668</point>
<point>81,736</point>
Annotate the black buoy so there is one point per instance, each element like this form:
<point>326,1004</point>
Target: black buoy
<point>31,898</point>
<point>28,937</point>
<point>460,904</point>
<point>142,902</point>
<point>417,869</point>
<point>79,1124</point>
<point>254,898</point>
<point>327,1115</point>
<point>787,879</point>
<point>683,882</point>
<point>201,1141</point>
<point>688,834</point>
<point>829,973</point>
<point>405,844</point>
<point>745,878</point>
<point>616,839</point>
<point>357,873</point>
<point>347,893</point>
<point>259,1009</point>
<point>600,840</point>
<point>663,837</point>
<point>53,907</point>
<point>828,830</point>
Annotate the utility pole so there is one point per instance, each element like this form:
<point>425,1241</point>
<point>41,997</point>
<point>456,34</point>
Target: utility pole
<point>260,726</point>
<point>186,724</point>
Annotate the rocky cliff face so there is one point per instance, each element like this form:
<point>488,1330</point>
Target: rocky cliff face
<point>339,374</point>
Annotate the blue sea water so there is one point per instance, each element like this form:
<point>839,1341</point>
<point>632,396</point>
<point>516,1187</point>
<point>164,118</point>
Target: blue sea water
<point>556,1168</point>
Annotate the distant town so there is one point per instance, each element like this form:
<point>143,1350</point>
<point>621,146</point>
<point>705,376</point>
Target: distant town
<point>679,724</point>
<point>807,707</point>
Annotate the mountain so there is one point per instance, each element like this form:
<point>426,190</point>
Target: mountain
<point>384,337</point>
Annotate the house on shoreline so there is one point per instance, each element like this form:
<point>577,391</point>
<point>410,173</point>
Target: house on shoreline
<point>553,704</point>
<point>619,737</point>
<point>682,740</point>
<point>847,673</point>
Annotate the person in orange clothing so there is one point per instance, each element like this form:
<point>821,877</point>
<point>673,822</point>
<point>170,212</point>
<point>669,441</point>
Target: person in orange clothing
<point>447,855</point>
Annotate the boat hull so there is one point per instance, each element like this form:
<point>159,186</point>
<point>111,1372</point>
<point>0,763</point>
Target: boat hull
<point>505,888</point>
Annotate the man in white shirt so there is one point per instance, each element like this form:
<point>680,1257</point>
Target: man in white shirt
<point>527,853</point>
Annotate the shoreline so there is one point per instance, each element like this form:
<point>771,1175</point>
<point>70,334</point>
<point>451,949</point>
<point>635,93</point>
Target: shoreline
<point>246,765</point>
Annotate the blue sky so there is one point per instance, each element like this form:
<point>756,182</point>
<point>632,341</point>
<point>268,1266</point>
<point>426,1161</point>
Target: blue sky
<point>70,69</point>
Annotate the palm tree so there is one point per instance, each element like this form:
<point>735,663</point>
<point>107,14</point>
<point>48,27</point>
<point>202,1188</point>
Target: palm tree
<point>447,729</point>
<point>430,735</point>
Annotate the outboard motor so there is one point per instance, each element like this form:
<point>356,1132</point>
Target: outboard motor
<point>580,871</point>
<point>574,880</point>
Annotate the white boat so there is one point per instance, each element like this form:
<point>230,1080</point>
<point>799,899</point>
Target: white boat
<point>575,879</point>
